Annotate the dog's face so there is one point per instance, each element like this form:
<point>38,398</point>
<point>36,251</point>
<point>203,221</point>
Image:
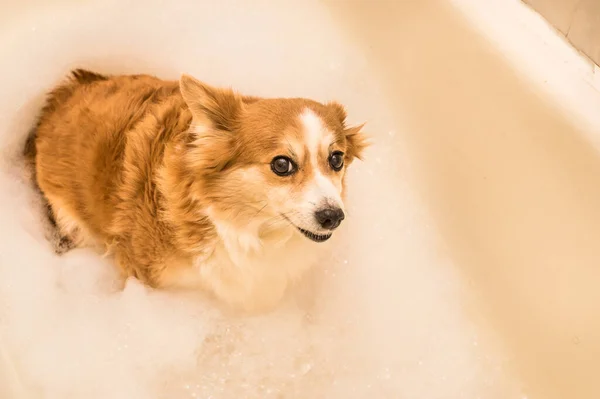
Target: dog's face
<point>270,162</point>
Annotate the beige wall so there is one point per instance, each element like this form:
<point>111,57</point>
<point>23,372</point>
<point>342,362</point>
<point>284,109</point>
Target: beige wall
<point>578,20</point>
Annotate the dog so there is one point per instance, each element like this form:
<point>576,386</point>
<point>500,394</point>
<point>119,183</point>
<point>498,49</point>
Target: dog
<point>192,186</point>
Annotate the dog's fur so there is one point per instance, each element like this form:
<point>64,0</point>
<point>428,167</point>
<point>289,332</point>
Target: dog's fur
<point>174,180</point>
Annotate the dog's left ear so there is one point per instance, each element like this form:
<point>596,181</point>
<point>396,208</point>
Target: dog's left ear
<point>356,140</point>
<point>219,108</point>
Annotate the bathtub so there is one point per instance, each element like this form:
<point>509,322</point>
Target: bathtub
<point>469,264</point>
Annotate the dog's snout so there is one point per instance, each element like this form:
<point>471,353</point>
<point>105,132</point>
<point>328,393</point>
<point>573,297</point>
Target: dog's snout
<point>329,218</point>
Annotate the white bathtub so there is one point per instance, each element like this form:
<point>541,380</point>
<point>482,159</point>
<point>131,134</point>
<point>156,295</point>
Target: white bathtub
<point>469,265</point>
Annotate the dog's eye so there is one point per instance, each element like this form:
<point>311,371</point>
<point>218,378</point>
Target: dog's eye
<point>283,166</point>
<point>336,160</point>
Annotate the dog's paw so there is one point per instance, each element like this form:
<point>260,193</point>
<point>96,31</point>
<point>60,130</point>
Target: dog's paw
<point>63,245</point>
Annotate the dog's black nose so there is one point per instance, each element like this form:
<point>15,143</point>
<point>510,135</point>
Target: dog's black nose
<point>329,218</point>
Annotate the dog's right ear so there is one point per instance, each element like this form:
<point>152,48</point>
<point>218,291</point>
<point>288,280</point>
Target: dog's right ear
<point>215,113</point>
<point>215,107</point>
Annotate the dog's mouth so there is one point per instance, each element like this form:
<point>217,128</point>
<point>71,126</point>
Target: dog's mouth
<point>315,237</point>
<point>309,234</point>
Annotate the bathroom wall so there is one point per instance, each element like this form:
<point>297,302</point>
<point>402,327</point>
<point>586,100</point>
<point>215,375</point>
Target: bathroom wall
<point>578,20</point>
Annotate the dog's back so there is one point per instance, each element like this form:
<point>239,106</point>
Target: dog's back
<point>77,151</point>
<point>55,98</point>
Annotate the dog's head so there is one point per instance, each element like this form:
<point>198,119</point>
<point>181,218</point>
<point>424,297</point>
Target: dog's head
<point>266,162</point>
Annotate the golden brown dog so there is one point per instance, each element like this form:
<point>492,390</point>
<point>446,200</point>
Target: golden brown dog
<point>187,185</point>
